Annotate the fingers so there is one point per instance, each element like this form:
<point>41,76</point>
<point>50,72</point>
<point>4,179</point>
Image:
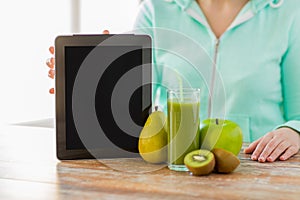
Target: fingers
<point>252,146</point>
<point>51,49</point>
<point>281,143</point>
<point>105,32</point>
<point>272,146</point>
<point>289,153</point>
<point>51,90</point>
<point>261,146</point>
<point>282,147</point>
<point>50,62</point>
<point>51,73</point>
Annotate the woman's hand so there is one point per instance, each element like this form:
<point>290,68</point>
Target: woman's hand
<point>51,64</point>
<point>282,143</point>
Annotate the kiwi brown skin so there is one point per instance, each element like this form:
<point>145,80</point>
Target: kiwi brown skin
<point>226,162</point>
<point>199,168</point>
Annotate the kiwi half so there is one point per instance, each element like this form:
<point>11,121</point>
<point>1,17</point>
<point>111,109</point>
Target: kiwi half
<point>226,161</point>
<point>200,162</point>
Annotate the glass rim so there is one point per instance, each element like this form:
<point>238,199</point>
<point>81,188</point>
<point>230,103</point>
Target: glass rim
<point>183,90</point>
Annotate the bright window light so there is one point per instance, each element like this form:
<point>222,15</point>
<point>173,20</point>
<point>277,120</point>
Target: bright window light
<point>28,28</point>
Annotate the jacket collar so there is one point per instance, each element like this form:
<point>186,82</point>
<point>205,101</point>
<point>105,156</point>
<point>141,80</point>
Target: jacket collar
<point>183,3</point>
<point>257,5</point>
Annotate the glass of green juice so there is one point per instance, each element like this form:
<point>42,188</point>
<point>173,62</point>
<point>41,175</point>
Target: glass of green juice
<point>183,125</point>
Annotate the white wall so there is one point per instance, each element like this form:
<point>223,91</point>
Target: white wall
<point>115,15</point>
<point>28,28</point>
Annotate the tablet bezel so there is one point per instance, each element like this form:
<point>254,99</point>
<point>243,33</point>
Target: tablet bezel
<point>86,40</point>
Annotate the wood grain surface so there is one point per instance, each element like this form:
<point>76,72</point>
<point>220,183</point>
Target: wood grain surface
<point>29,170</point>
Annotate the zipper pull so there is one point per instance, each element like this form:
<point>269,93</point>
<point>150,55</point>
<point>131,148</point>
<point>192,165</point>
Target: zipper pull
<point>217,45</point>
<point>216,51</point>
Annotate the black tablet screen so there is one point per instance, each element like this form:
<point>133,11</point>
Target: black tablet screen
<point>113,73</point>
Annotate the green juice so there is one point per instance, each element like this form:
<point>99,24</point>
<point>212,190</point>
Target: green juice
<point>183,130</point>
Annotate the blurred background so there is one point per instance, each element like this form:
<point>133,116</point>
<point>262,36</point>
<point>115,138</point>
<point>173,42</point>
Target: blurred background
<point>28,28</point>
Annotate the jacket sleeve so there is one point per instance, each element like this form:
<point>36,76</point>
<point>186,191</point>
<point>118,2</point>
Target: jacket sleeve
<point>290,78</point>
<point>144,18</point>
<point>145,24</point>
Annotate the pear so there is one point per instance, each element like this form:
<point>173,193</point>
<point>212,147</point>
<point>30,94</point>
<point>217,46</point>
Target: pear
<point>153,138</point>
<point>226,161</point>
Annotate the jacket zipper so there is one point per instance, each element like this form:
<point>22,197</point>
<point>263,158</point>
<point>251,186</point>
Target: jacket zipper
<point>246,16</point>
<point>213,77</point>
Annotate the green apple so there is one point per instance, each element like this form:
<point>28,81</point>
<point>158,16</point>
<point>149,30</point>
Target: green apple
<point>224,134</point>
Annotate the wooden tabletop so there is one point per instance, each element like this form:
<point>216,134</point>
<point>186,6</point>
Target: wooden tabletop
<point>29,170</point>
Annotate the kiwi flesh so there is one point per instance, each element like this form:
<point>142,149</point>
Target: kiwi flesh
<point>226,162</point>
<point>200,162</point>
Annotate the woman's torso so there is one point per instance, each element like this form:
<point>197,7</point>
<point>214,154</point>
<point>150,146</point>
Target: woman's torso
<point>246,85</point>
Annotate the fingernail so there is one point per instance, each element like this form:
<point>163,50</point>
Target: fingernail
<point>261,159</point>
<point>270,159</point>
<point>253,157</point>
<point>282,158</point>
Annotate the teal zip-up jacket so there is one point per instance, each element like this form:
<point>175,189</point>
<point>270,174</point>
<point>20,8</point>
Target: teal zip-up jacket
<point>249,75</point>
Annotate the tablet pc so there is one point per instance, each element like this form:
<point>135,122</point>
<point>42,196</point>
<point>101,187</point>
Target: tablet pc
<point>103,94</point>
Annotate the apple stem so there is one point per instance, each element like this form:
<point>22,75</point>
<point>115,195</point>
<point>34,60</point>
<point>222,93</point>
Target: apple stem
<point>217,121</point>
